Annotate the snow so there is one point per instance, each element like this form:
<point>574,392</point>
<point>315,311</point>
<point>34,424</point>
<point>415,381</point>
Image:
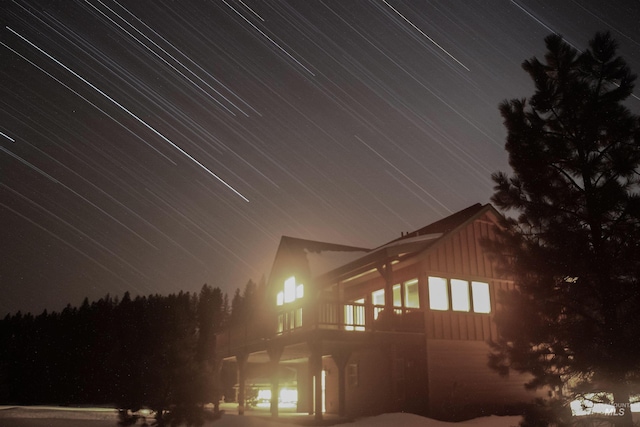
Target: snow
<point>18,416</point>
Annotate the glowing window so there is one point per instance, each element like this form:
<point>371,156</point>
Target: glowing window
<point>280,298</point>
<point>481,299</point>
<point>290,289</point>
<point>438,295</point>
<point>264,394</point>
<point>298,318</point>
<point>280,323</point>
<point>460,295</point>
<point>411,298</point>
<point>354,316</point>
<point>397,296</point>
<point>288,395</point>
<point>377,297</point>
<point>299,291</point>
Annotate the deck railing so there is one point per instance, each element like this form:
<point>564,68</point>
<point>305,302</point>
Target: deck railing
<point>355,317</point>
<point>351,317</point>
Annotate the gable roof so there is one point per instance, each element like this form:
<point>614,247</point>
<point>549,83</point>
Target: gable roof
<point>409,243</point>
<point>311,258</point>
<point>447,224</point>
<point>326,262</point>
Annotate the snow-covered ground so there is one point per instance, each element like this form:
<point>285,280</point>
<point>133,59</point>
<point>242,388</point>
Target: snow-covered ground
<point>40,416</point>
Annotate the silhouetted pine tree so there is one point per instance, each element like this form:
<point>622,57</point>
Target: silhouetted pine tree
<point>211,316</point>
<point>573,320</point>
<point>156,352</point>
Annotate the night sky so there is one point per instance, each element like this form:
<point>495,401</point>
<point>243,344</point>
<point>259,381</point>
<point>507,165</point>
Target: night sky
<point>154,146</point>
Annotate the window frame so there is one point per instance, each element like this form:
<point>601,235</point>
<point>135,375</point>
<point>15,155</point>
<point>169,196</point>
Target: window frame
<point>471,296</point>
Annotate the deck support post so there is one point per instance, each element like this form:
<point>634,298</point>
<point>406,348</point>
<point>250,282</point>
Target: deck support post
<point>385,318</point>
<point>386,271</point>
<point>341,358</point>
<point>315,364</point>
<point>241,361</point>
<point>274,352</point>
<point>217,385</point>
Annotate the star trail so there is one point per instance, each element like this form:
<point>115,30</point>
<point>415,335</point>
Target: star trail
<point>154,146</point>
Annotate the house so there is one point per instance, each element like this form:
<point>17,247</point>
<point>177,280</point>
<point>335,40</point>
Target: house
<point>402,327</point>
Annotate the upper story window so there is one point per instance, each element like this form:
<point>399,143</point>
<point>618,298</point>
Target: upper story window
<point>481,300</point>
<point>411,297</point>
<point>460,295</point>
<point>377,297</point>
<point>292,291</point>
<point>354,316</point>
<point>406,294</point>
<point>289,318</point>
<point>475,298</point>
<point>438,294</point>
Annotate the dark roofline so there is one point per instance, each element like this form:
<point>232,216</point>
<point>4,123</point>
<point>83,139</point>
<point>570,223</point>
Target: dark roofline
<point>290,246</point>
<point>316,246</point>
<point>446,224</point>
<point>442,229</point>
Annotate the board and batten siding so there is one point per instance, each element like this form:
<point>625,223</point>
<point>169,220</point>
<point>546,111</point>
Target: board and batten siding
<point>461,256</point>
<point>462,385</point>
<point>461,252</point>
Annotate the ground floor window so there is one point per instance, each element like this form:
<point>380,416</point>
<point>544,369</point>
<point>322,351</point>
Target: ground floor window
<point>352,375</point>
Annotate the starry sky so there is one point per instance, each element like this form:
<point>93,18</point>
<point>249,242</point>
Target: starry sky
<point>153,146</point>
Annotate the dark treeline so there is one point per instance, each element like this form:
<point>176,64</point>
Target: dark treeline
<point>154,351</point>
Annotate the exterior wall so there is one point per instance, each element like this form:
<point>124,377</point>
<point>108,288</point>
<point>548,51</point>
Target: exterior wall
<point>462,254</point>
<point>461,257</point>
<point>451,379</point>
<point>463,386</point>
<point>389,379</point>
<point>369,394</point>
<point>305,387</point>
<point>457,325</point>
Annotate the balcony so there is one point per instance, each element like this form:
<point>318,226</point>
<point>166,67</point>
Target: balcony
<point>298,319</point>
<point>350,317</point>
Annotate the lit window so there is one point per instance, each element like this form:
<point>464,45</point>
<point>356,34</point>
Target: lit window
<point>438,295</point>
<point>288,395</point>
<point>280,323</point>
<point>264,395</point>
<point>397,296</point>
<point>377,297</point>
<point>411,298</point>
<point>280,299</point>
<point>298,318</point>
<point>299,291</point>
<point>481,299</point>
<point>290,289</point>
<point>354,316</point>
<point>460,295</point>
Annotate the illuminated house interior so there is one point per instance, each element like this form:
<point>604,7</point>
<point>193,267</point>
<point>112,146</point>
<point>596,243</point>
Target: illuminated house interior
<point>401,327</point>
